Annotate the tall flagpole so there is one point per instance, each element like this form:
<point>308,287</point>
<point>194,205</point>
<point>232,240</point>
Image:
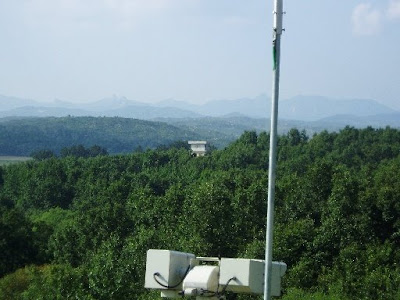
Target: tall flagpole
<point>276,50</point>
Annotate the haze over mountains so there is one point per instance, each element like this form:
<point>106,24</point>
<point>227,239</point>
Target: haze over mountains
<point>301,108</point>
<point>121,125</point>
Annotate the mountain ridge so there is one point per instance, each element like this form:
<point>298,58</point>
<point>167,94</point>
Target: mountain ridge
<point>300,108</point>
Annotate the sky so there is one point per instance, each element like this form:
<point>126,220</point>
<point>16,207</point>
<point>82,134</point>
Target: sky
<point>198,50</point>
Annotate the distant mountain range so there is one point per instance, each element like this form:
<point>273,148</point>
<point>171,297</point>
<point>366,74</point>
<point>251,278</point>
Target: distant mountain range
<point>313,108</point>
<point>316,109</point>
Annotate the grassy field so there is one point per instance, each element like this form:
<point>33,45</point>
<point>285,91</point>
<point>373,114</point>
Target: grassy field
<point>5,160</point>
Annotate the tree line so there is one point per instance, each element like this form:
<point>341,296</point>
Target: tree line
<point>79,227</point>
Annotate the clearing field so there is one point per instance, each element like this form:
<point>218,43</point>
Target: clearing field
<point>6,160</point>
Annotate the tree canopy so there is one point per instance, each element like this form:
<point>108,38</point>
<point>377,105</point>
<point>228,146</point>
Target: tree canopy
<point>78,227</point>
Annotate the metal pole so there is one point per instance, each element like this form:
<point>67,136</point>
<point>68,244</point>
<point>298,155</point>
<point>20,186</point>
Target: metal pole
<point>276,45</point>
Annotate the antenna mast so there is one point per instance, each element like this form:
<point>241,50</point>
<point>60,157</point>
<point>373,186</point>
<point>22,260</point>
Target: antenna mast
<point>276,50</point>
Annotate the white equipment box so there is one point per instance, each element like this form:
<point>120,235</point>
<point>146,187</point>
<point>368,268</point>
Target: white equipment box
<point>179,274</point>
<point>249,275</point>
<point>167,267</point>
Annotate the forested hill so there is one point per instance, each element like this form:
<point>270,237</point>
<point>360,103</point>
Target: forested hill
<point>117,135</point>
<point>79,228</point>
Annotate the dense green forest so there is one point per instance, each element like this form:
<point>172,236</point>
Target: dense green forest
<point>79,228</point>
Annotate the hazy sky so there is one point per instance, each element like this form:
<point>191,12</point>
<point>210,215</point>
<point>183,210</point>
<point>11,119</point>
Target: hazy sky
<point>197,50</point>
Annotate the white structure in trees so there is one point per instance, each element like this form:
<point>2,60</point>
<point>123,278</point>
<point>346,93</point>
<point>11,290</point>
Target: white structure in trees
<point>198,147</point>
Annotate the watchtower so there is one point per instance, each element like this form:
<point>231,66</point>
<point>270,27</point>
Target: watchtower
<point>199,148</point>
